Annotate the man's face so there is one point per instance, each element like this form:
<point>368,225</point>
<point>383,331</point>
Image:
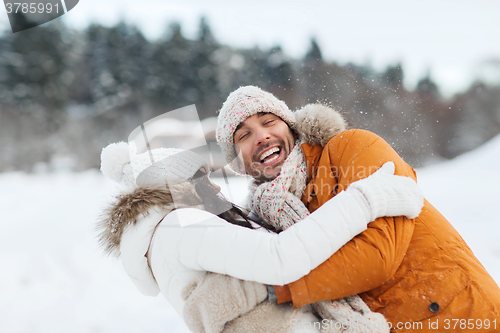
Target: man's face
<point>264,141</point>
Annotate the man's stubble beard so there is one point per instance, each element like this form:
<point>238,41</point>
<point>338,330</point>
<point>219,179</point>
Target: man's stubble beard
<point>261,176</point>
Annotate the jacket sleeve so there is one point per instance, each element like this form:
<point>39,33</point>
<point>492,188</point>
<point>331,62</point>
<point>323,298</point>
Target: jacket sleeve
<point>372,257</point>
<point>208,243</point>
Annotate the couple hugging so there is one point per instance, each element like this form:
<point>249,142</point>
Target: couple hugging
<point>337,236</point>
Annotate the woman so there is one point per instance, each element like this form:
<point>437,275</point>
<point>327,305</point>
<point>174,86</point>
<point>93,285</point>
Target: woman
<point>168,241</point>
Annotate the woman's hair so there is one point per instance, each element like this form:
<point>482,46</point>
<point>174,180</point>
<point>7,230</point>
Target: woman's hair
<point>217,204</point>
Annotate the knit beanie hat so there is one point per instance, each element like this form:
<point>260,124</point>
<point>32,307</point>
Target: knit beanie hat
<point>241,104</point>
<point>155,168</point>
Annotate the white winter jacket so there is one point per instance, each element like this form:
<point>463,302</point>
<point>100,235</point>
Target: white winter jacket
<point>188,242</point>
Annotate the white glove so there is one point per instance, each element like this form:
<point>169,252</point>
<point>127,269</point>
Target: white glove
<point>389,195</point>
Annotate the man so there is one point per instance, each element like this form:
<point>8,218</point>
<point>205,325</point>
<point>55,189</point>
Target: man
<point>419,273</point>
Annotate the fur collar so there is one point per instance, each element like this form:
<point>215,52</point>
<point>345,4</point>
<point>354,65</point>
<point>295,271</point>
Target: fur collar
<point>130,207</point>
<point>316,124</point>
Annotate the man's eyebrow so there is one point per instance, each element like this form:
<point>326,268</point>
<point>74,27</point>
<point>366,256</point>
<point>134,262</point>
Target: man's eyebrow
<point>238,127</point>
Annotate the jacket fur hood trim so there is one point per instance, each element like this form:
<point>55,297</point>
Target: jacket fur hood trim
<point>316,124</point>
<point>130,207</point>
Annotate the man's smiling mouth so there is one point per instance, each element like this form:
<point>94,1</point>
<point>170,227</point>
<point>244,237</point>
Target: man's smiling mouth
<point>270,155</point>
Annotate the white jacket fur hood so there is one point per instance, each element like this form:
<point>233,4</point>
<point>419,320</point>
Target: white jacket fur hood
<point>128,223</point>
<point>130,207</point>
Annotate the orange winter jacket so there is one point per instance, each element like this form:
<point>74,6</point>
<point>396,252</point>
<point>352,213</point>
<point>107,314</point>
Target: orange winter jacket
<point>420,274</point>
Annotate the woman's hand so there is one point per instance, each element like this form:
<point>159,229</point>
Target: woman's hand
<point>212,300</point>
<point>389,195</point>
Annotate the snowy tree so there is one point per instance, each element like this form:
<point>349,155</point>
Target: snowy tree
<point>314,53</point>
<point>205,74</point>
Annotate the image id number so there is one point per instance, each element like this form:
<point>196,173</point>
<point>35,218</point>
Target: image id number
<point>469,324</point>
<point>23,7</point>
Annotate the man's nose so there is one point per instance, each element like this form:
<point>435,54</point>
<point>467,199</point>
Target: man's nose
<point>262,136</point>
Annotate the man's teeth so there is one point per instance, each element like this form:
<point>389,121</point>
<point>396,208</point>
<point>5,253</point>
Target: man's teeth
<point>268,153</point>
<point>272,159</point>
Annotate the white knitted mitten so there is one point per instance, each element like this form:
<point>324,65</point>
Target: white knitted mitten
<point>350,315</point>
<point>389,195</point>
<point>266,317</point>
<point>212,300</point>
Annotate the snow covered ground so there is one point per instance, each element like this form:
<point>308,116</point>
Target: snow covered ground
<point>55,279</point>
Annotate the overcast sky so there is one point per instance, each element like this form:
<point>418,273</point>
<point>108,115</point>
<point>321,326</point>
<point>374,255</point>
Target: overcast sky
<point>449,38</point>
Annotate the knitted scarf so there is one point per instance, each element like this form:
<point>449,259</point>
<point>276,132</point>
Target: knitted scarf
<point>278,203</point>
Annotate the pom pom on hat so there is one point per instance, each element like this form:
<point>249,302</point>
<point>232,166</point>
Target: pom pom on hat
<point>113,158</point>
